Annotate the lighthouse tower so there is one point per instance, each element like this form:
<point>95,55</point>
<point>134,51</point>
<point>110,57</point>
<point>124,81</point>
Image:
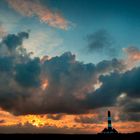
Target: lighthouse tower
<point>109,129</point>
<point>109,121</point>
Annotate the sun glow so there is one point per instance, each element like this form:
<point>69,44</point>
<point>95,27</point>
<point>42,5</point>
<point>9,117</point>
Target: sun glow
<point>66,122</point>
<point>35,120</point>
<point>97,85</point>
<point>44,84</point>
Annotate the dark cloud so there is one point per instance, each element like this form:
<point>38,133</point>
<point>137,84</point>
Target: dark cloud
<point>6,64</point>
<point>130,82</point>
<point>68,80</point>
<point>133,117</point>
<point>107,94</point>
<point>12,41</point>
<point>132,107</point>
<point>117,89</point>
<point>17,70</point>
<point>85,119</point>
<point>106,66</point>
<point>28,74</point>
<point>101,41</point>
<point>130,116</point>
<point>70,83</point>
<point>2,121</point>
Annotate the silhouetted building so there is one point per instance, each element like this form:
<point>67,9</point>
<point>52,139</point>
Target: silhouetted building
<point>110,129</point>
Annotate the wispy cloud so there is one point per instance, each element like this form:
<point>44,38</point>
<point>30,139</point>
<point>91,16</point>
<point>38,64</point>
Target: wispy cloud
<point>133,56</point>
<point>35,8</point>
<point>101,41</point>
<point>2,30</point>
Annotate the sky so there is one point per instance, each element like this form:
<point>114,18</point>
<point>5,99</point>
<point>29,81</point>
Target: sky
<point>65,63</point>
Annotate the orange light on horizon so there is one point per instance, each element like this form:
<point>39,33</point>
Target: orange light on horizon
<point>66,122</point>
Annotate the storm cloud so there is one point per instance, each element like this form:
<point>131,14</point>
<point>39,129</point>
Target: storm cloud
<point>28,74</point>
<point>68,85</point>
<point>117,89</point>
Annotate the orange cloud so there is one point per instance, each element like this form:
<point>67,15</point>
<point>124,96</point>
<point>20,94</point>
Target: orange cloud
<point>44,84</point>
<point>35,8</point>
<point>67,122</point>
<point>133,56</point>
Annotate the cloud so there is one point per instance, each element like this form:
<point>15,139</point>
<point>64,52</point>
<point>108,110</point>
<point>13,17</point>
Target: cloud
<point>12,41</point>
<point>117,89</point>
<point>132,56</point>
<point>110,65</point>
<point>30,129</point>
<point>69,84</point>
<point>16,66</point>
<point>2,121</point>
<point>25,76</point>
<point>133,117</point>
<point>35,8</point>
<point>133,53</point>
<point>43,42</point>
<point>2,30</point>
<point>55,116</point>
<point>100,41</point>
<point>67,79</point>
<point>86,119</point>
<point>6,64</point>
<point>120,83</point>
<point>28,74</point>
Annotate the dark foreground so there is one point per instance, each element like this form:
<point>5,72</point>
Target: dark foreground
<point>132,136</point>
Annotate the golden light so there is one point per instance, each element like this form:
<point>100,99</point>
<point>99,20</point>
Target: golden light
<point>67,122</point>
<point>35,120</point>
<point>44,85</point>
<point>97,85</point>
<point>45,58</point>
<point>136,57</point>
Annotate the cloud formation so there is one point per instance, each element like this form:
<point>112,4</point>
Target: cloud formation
<point>35,8</point>
<point>12,41</point>
<point>117,89</point>
<point>67,79</point>
<point>86,119</point>
<point>132,56</point>
<point>106,66</point>
<point>30,129</point>
<point>2,31</point>
<point>100,41</point>
<point>55,116</point>
<point>62,84</point>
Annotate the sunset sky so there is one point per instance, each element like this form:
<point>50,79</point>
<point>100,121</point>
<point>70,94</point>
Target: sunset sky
<point>65,63</point>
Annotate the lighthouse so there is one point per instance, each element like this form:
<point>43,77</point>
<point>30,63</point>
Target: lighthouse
<point>109,121</point>
<point>109,129</point>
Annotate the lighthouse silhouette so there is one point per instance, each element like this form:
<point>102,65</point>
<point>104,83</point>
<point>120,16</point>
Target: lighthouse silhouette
<point>109,129</point>
<point>109,121</point>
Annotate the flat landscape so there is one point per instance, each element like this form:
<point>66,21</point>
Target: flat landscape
<point>130,136</point>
